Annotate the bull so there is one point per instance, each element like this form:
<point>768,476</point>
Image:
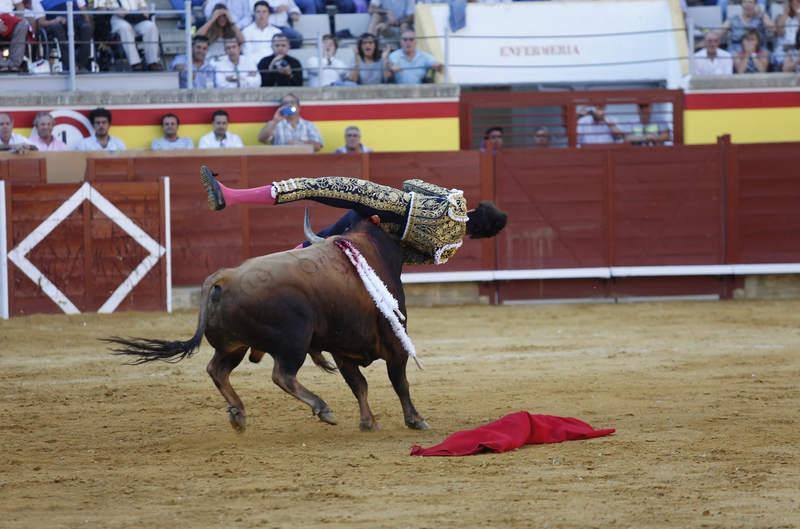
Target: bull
<point>292,304</point>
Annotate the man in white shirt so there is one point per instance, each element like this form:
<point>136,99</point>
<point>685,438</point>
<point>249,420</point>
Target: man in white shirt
<point>42,134</point>
<point>235,70</point>
<point>712,60</point>
<point>219,137</point>
<point>170,140</point>
<point>287,127</point>
<point>132,18</point>
<point>10,140</point>
<point>595,127</point>
<point>258,35</point>
<point>100,119</point>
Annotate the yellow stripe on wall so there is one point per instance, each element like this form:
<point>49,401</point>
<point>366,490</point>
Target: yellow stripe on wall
<point>426,134</point>
<point>745,125</point>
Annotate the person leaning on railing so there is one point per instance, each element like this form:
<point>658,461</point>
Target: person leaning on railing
<point>55,26</point>
<point>330,71</point>
<point>131,18</point>
<point>408,64</point>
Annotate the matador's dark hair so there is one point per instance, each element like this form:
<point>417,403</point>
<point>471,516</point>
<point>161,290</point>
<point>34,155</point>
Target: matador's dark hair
<point>485,221</point>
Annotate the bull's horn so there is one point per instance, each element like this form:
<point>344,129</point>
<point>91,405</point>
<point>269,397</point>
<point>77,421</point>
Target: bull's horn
<point>312,237</point>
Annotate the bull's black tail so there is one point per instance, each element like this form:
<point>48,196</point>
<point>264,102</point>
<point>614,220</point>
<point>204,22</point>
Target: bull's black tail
<point>149,350</point>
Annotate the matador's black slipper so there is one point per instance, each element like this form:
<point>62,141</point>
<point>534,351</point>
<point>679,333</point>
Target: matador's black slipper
<point>216,201</point>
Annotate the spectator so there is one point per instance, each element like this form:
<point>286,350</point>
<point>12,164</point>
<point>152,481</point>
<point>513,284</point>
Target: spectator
<point>287,127</point>
<point>132,18</point>
<point>791,63</point>
<point>13,30</point>
<point>723,6</point>
<point>42,134</point>
<point>10,140</point>
<point>541,138</point>
<point>239,12</point>
<point>203,73</point>
<point>101,140</point>
<point>236,70</point>
<point>56,28</point>
<point>786,26</point>
<point>647,131</point>
<point>492,139</point>
<point>352,142</point>
<point>712,60</point>
<point>311,7</point>
<point>219,26</point>
<point>170,140</point>
<point>595,127</point>
<point>408,65</point>
<point>285,13</point>
<point>752,17</point>
<point>280,68</point>
<point>752,58</point>
<point>371,66</point>
<point>219,137</point>
<point>258,35</point>
<point>332,71</point>
<point>390,16</point>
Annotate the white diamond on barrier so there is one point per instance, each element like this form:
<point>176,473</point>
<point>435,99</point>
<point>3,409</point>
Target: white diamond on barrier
<point>86,192</point>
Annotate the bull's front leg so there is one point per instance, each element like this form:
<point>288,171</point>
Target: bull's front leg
<point>284,374</point>
<point>397,374</point>
<point>358,384</point>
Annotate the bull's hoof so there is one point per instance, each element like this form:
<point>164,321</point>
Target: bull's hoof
<point>327,416</point>
<point>369,426</point>
<point>418,424</point>
<point>237,418</point>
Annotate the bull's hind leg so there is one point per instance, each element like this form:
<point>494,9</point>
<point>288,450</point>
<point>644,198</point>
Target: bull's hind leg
<point>284,374</point>
<point>397,374</point>
<point>219,368</point>
<point>352,375</point>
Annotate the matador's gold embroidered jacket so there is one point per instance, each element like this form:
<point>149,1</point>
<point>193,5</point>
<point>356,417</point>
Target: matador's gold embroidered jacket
<point>435,217</point>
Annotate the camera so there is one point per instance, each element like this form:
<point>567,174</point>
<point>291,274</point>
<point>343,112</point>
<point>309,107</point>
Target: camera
<point>288,110</point>
<point>283,63</point>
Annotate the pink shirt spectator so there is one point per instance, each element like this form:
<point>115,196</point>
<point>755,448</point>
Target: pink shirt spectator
<point>54,145</point>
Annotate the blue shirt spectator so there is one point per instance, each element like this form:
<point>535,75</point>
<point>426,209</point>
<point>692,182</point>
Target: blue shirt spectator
<point>203,73</point>
<point>410,65</point>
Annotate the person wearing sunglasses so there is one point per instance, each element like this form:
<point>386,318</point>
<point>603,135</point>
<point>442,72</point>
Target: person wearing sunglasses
<point>408,64</point>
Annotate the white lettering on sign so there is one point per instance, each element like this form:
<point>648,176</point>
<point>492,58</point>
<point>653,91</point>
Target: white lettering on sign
<point>527,51</point>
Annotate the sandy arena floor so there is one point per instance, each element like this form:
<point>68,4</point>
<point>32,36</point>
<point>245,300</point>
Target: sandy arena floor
<point>704,396</point>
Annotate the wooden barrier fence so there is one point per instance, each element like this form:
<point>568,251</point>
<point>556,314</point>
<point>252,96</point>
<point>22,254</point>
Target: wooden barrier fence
<point>569,209</point>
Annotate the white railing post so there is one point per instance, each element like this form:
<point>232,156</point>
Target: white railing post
<point>167,241</point>
<point>3,254</point>
<point>319,58</point>
<point>71,47</point>
<point>187,32</point>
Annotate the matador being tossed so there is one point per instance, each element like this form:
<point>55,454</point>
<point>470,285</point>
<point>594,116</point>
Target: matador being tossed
<point>429,221</point>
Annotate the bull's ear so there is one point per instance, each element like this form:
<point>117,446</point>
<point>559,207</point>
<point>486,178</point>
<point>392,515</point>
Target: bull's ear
<point>312,237</point>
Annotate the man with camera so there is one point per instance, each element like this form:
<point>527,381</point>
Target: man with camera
<point>594,127</point>
<point>280,68</point>
<point>287,127</point>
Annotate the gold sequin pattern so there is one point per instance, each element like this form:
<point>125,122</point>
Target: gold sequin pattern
<point>355,190</point>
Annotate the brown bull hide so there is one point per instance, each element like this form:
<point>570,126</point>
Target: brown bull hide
<point>292,304</point>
